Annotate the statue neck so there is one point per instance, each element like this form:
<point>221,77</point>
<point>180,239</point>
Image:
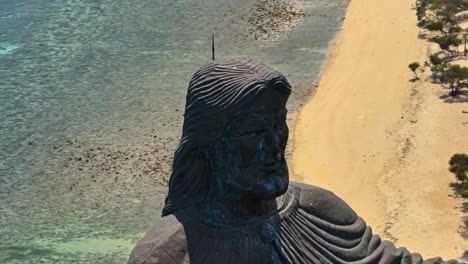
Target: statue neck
<point>236,212</point>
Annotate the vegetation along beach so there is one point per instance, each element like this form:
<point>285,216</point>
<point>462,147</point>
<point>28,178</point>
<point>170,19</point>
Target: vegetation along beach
<point>381,137</point>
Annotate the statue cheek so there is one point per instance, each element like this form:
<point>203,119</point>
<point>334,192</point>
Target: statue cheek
<point>283,137</point>
<point>282,142</point>
<point>245,149</point>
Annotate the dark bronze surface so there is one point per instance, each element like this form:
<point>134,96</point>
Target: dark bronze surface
<point>229,198</point>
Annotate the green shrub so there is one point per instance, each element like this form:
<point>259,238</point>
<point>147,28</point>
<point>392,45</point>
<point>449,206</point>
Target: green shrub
<point>413,67</point>
<point>458,165</point>
<point>464,194</point>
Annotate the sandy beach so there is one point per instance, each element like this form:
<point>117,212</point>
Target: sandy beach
<point>381,142</point>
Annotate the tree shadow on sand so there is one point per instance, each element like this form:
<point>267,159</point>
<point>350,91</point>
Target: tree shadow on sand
<point>457,188</point>
<point>425,36</point>
<point>462,97</point>
<point>463,207</point>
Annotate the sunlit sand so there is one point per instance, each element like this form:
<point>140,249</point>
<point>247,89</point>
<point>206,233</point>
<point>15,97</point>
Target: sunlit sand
<point>381,142</point>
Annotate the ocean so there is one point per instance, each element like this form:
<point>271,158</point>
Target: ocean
<point>91,102</point>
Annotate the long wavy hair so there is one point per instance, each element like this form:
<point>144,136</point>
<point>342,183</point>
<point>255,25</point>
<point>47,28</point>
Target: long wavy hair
<point>218,92</point>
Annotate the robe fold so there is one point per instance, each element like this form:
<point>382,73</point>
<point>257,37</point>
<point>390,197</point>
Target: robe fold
<point>312,225</point>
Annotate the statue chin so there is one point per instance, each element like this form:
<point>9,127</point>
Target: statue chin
<point>270,188</point>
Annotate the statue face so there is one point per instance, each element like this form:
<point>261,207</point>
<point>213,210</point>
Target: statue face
<point>253,162</point>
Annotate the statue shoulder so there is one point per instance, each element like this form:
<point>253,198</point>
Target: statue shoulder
<point>164,243</point>
<point>324,204</point>
<point>336,227</point>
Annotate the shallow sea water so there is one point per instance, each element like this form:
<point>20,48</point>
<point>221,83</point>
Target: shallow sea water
<point>91,102</point>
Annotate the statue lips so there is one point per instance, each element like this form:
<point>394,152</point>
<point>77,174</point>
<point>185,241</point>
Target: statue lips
<point>273,164</point>
<point>271,167</point>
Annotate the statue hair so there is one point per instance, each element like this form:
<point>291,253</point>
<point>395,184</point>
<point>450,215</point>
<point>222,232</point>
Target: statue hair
<point>218,92</point>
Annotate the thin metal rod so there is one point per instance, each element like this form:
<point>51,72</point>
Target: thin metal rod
<point>212,46</point>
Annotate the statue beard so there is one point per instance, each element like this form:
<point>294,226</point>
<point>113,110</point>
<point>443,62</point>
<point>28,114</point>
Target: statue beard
<point>257,184</point>
<point>272,185</point>
<point>269,189</point>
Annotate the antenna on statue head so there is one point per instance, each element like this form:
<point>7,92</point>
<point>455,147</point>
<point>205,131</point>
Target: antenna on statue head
<point>212,47</point>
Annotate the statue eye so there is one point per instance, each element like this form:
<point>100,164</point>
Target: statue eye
<point>253,133</point>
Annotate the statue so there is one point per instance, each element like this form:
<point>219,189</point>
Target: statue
<point>230,200</point>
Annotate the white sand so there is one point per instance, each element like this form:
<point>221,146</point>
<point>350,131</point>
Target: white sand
<point>380,142</point>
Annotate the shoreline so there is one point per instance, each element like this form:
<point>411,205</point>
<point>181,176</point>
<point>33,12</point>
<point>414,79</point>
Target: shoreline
<point>294,115</point>
<point>365,128</point>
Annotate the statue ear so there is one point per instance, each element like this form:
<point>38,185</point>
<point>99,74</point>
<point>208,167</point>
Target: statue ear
<point>190,181</point>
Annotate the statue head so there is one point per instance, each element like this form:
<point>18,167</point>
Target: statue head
<point>234,136</point>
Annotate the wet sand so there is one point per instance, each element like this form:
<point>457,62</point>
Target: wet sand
<point>381,142</point>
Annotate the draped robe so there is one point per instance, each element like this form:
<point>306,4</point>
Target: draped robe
<point>312,225</point>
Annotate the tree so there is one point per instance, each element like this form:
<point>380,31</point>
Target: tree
<point>437,66</point>
<point>421,8</point>
<point>456,76</point>
<point>442,17</point>
<point>413,67</point>
<point>445,42</point>
<point>438,15</point>
<point>435,59</point>
<point>438,71</point>
<point>458,165</point>
<point>465,40</point>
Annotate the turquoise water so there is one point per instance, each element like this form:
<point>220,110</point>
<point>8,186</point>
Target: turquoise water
<point>91,99</point>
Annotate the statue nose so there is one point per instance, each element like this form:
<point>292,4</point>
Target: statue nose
<point>271,146</point>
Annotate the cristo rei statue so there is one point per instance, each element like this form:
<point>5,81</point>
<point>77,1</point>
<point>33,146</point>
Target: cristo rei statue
<point>230,199</point>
